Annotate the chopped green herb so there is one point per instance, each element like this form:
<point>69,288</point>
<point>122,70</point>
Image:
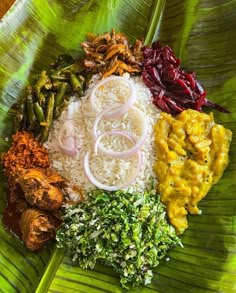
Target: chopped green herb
<point>126,231</point>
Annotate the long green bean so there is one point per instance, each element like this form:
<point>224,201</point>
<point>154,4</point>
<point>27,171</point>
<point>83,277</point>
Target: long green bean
<point>61,93</point>
<point>76,82</point>
<point>39,112</point>
<point>46,99</point>
<point>30,109</point>
<point>43,81</point>
<point>49,118</point>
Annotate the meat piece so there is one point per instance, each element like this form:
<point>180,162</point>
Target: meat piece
<point>37,228</point>
<point>54,178</point>
<point>38,189</point>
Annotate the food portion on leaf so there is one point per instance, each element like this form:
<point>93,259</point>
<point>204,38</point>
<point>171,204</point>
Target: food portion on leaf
<point>99,119</point>
<point>35,192</point>
<point>113,128</point>
<point>192,154</point>
<point>112,53</point>
<point>37,227</point>
<point>25,152</point>
<point>173,89</point>
<point>46,99</point>
<point>126,231</point>
<point>38,189</point>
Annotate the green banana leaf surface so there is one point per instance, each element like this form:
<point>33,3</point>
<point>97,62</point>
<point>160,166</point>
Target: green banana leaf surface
<point>203,34</point>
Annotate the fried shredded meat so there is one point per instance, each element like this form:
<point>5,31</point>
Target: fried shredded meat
<point>111,53</point>
<point>25,152</point>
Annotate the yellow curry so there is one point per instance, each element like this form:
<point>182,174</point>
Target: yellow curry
<point>192,154</point>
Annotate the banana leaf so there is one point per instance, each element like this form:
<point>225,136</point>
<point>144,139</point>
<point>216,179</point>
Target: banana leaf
<point>202,33</point>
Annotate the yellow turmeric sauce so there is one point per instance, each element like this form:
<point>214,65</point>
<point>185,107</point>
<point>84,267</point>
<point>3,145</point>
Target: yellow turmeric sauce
<point>192,154</point>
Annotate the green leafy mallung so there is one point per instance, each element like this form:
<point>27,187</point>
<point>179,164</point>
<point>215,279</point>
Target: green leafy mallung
<point>126,231</point>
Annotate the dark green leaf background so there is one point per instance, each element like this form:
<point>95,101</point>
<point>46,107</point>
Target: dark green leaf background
<point>203,34</point>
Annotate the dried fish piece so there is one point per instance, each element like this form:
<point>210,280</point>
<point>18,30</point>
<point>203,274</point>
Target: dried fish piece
<point>111,53</point>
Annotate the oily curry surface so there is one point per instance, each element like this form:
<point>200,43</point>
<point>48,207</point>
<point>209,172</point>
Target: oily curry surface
<point>192,154</point>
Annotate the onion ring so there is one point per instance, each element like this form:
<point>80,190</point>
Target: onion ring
<point>124,106</point>
<point>113,132</point>
<point>129,152</point>
<point>100,185</point>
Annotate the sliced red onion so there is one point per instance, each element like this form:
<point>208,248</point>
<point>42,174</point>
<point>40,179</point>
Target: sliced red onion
<point>124,106</point>
<point>126,153</point>
<point>100,185</point>
<point>66,138</point>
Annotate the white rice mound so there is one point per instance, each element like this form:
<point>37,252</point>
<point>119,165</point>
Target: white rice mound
<point>108,170</point>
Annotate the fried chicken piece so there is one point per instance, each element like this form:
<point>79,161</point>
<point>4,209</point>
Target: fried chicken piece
<point>55,178</point>
<point>39,188</point>
<point>37,228</point>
